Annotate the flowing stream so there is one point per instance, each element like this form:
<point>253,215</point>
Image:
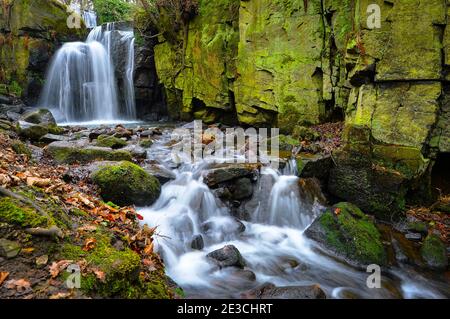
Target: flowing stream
<point>272,242</point>
<point>81,84</point>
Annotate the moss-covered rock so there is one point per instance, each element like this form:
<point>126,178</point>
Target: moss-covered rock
<point>126,184</point>
<point>348,232</point>
<point>77,152</point>
<point>110,141</point>
<point>14,212</point>
<point>434,252</point>
<point>121,269</point>
<point>146,143</point>
<point>21,148</point>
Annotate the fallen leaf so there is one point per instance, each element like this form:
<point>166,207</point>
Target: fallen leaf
<point>337,211</point>
<point>56,267</point>
<point>27,250</point>
<point>100,275</point>
<point>88,228</point>
<point>3,276</point>
<point>60,295</point>
<point>89,244</point>
<point>149,249</point>
<point>21,285</point>
<point>140,217</point>
<point>39,182</point>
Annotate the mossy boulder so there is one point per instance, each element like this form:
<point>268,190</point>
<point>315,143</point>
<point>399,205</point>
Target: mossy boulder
<point>79,152</point>
<point>434,252</point>
<point>110,141</point>
<point>126,184</point>
<point>305,133</point>
<point>348,232</point>
<point>15,213</point>
<point>121,269</point>
<point>39,116</point>
<point>35,124</point>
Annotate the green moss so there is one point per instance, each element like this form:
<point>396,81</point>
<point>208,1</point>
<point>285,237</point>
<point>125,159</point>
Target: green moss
<point>146,143</point>
<point>121,269</point>
<point>110,141</point>
<point>434,252</point>
<point>12,212</point>
<point>127,184</point>
<point>21,148</point>
<point>352,234</point>
<point>71,154</point>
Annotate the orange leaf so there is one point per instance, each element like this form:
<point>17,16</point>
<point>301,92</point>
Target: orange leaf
<point>89,244</point>
<point>56,267</point>
<point>337,211</point>
<point>99,274</point>
<point>149,249</point>
<point>3,276</point>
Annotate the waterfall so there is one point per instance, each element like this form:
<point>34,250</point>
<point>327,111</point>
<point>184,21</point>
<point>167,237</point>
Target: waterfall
<point>81,83</point>
<point>90,19</point>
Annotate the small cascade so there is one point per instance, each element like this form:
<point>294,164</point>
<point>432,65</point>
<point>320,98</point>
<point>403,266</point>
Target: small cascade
<point>82,82</point>
<point>192,222</point>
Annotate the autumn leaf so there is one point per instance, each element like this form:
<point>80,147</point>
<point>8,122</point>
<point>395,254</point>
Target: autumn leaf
<point>60,295</point>
<point>99,274</point>
<point>21,285</point>
<point>149,249</point>
<point>3,276</point>
<point>27,250</point>
<point>89,244</point>
<point>56,267</point>
<point>337,211</point>
<point>39,182</point>
<point>140,217</point>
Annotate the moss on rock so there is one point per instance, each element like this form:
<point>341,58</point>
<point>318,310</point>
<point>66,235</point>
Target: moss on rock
<point>110,141</point>
<point>434,252</point>
<point>13,212</point>
<point>20,148</point>
<point>347,231</point>
<point>127,184</point>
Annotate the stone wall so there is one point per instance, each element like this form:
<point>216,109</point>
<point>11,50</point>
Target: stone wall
<point>30,32</point>
<point>292,62</point>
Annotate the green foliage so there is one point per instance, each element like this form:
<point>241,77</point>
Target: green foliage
<point>113,10</point>
<point>12,212</point>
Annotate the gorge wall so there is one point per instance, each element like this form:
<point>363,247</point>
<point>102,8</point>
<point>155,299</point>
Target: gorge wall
<point>295,62</point>
<point>30,32</point>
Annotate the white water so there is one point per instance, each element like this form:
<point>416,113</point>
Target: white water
<point>272,244</point>
<point>81,84</point>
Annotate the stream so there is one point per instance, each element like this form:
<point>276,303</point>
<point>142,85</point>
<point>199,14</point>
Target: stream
<point>272,243</point>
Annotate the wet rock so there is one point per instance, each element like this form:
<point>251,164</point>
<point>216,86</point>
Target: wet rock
<point>242,188</point>
<point>244,275</point>
<point>228,173</point>
<point>5,99</point>
<point>126,184</point>
<point>163,174</point>
<point>13,116</point>
<point>317,166</point>
<point>349,233</point>
<point>49,138</point>
<point>80,151</point>
<point>121,131</point>
<point>136,151</point>
<point>146,143</point>
<point>228,256</point>
<point>197,242</point>
<point>223,193</point>
<point>39,116</point>
<point>94,134</point>
<point>146,133</point>
<point>270,291</point>
<point>434,252</point>
<point>9,249</point>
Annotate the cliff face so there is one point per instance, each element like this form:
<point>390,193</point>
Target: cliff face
<point>30,32</point>
<point>291,62</point>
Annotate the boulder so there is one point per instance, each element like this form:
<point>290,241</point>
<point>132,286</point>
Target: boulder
<point>81,152</point>
<point>49,138</point>
<point>126,184</point>
<point>39,116</point>
<point>110,141</point>
<point>345,230</point>
<point>163,174</point>
<point>314,165</point>
<point>227,173</point>
<point>242,188</point>
<point>228,256</point>
<point>434,252</point>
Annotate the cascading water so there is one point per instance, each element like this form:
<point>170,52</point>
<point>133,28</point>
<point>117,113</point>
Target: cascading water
<point>81,83</point>
<point>272,242</point>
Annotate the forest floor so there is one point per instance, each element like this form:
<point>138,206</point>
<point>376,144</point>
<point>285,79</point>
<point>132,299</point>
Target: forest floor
<point>81,234</point>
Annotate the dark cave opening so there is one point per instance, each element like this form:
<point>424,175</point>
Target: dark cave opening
<point>440,175</point>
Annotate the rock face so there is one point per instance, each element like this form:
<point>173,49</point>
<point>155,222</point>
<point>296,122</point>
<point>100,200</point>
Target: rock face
<point>289,63</point>
<point>126,184</point>
<point>30,32</point>
<point>348,232</point>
